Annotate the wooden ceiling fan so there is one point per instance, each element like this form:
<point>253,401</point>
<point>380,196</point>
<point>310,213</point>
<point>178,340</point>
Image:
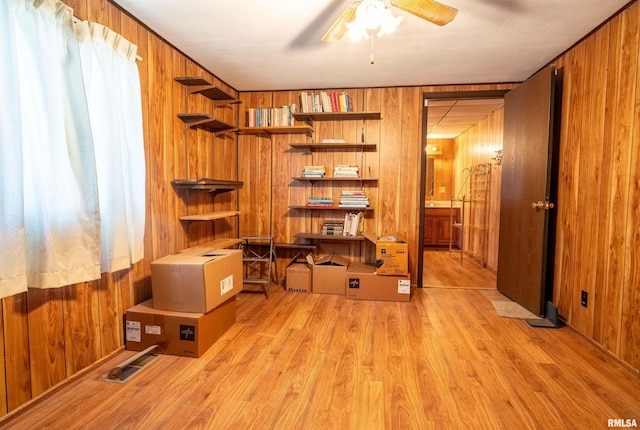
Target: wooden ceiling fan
<point>429,10</point>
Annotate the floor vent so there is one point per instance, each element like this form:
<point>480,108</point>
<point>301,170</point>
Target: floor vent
<point>133,365</point>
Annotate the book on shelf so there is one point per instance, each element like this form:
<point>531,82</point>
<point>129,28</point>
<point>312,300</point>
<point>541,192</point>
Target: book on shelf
<point>345,171</point>
<point>353,224</point>
<point>270,116</point>
<point>319,205</point>
<point>332,101</point>
<point>332,140</point>
<point>353,205</point>
<point>353,199</point>
<point>313,172</point>
<point>333,227</point>
<point>319,202</point>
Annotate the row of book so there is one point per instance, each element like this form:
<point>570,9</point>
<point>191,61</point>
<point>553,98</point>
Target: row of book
<point>324,101</point>
<point>352,225</point>
<point>313,172</point>
<point>340,171</point>
<point>353,199</point>
<point>333,227</point>
<point>348,199</point>
<point>345,171</point>
<point>271,117</point>
<point>323,202</point>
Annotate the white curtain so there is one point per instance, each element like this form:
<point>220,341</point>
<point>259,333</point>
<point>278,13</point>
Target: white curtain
<point>50,128</point>
<point>13,263</point>
<point>51,201</point>
<point>113,93</point>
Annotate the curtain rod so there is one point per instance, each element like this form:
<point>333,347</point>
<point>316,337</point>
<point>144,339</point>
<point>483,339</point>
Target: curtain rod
<point>77,20</point>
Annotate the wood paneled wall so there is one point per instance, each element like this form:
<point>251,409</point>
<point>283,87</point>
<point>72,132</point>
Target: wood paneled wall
<point>598,232</point>
<point>50,335</point>
<point>478,145</point>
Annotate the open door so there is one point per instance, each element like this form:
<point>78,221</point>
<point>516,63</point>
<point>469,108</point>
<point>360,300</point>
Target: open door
<point>526,204</point>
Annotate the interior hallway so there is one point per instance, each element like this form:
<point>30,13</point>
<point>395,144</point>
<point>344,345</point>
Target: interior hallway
<point>443,269</point>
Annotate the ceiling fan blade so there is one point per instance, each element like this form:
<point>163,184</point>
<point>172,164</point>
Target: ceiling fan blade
<point>338,28</point>
<point>430,10</point>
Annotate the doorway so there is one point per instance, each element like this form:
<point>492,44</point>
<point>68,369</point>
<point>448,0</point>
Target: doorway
<point>453,207</point>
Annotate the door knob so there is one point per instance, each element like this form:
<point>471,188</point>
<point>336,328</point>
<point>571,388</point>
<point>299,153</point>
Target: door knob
<point>542,205</point>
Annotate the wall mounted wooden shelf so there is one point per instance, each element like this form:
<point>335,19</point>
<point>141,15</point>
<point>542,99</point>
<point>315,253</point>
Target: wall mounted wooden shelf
<point>210,216</point>
<point>335,116</point>
<point>333,179</point>
<point>222,242</point>
<point>309,117</point>
<point>207,184</point>
<point>199,85</point>
<point>294,129</point>
<point>330,208</point>
<point>206,121</point>
<point>317,236</point>
<point>349,145</point>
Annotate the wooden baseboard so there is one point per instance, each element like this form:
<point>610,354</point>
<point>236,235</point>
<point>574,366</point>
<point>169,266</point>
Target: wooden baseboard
<point>600,347</point>
<point>54,389</point>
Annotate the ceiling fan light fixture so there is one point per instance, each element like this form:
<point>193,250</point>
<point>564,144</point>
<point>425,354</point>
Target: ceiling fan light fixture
<point>372,15</point>
<point>356,31</point>
<point>389,23</point>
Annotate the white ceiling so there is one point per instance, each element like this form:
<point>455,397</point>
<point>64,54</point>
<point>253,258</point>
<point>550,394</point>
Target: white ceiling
<point>258,45</point>
<point>449,118</point>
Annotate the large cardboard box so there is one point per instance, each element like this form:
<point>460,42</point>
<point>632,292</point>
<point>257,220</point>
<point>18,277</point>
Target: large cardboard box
<point>329,274</point>
<point>187,334</point>
<point>196,283</point>
<point>298,277</point>
<point>364,284</point>
<point>392,256</point>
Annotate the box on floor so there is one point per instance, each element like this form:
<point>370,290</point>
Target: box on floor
<point>363,283</point>
<point>188,334</point>
<point>329,275</point>
<point>298,278</point>
<point>196,282</point>
<point>392,255</point>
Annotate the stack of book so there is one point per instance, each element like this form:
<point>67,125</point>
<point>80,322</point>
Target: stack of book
<point>313,172</point>
<point>333,227</point>
<point>325,202</point>
<point>324,101</point>
<point>353,199</point>
<point>345,171</point>
<point>353,224</point>
<point>271,117</point>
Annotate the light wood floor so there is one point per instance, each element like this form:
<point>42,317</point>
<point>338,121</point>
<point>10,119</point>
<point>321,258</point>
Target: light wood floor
<point>442,269</point>
<point>444,360</point>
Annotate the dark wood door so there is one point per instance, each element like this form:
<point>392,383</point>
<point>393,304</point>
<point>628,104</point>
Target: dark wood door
<point>526,180</point>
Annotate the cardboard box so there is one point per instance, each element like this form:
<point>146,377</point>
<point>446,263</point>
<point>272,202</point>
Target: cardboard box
<point>392,256</point>
<point>298,277</point>
<point>329,274</point>
<point>177,333</point>
<point>364,284</point>
<point>196,283</point>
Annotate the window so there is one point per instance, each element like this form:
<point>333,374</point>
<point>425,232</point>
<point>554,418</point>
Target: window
<point>69,194</point>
